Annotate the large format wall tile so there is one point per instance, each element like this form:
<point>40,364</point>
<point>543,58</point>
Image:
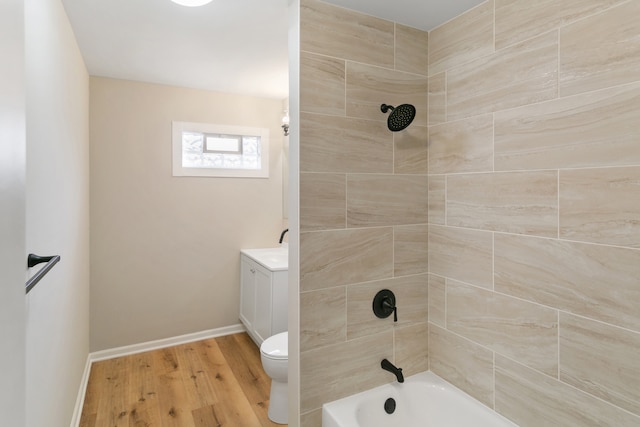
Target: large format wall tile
<point>323,201</point>
<point>343,33</point>
<point>411,301</point>
<point>339,144</point>
<point>412,348</point>
<point>465,255</point>
<point>513,202</point>
<point>437,300</point>
<point>377,200</point>
<point>601,51</point>
<point>369,87</point>
<point>593,129</point>
<point>311,419</point>
<point>410,249</point>
<point>437,198</point>
<point>462,146</point>
<point>411,150</point>
<point>463,363</point>
<point>518,75</point>
<point>600,282</point>
<point>518,329</point>
<point>341,370</point>
<point>327,326</point>
<point>462,39</point>
<point>334,258</point>
<point>601,205</point>
<point>322,84</point>
<point>437,99</point>
<point>498,294</point>
<point>601,360</point>
<point>411,50</point>
<point>532,399</point>
<point>518,20</point>
<point>352,63</point>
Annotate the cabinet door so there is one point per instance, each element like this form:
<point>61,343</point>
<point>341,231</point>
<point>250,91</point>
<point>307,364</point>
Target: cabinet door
<point>262,324</point>
<point>279,299</point>
<point>247,293</point>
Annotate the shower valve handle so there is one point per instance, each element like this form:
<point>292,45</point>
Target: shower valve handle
<point>389,306</point>
<point>384,304</point>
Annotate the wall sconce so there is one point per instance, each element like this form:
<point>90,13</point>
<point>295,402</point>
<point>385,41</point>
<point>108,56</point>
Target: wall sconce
<point>285,122</point>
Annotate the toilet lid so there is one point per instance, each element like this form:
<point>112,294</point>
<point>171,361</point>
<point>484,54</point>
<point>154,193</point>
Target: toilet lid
<point>276,346</point>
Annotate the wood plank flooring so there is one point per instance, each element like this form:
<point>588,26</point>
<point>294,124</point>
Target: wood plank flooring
<point>217,382</point>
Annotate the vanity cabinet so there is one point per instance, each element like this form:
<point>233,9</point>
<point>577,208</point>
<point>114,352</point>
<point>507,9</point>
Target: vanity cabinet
<point>263,298</point>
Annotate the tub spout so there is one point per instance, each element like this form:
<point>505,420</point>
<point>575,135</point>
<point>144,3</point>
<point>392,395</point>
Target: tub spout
<point>388,366</point>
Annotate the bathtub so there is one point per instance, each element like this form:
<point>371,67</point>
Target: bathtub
<point>423,400</point>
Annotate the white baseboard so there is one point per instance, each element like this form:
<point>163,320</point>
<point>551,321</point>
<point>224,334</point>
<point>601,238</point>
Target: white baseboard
<point>140,348</point>
<point>77,410</point>
<point>165,342</point>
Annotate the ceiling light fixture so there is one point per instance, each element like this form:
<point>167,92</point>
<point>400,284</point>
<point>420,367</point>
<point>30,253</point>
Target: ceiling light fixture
<point>192,3</point>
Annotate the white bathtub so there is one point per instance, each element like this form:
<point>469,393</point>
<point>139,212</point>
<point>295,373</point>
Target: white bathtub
<point>423,400</point>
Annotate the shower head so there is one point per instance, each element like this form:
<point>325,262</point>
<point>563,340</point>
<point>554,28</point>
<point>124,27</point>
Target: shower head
<point>400,117</point>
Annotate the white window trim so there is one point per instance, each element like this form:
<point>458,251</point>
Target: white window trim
<point>179,170</point>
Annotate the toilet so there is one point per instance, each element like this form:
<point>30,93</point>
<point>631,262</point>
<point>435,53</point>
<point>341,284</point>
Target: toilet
<point>274,353</point>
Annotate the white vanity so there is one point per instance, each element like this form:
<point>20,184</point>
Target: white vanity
<point>263,291</point>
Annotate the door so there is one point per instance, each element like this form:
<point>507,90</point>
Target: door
<point>247,293</point>
<point>263,304</point>
<point>12,214</point>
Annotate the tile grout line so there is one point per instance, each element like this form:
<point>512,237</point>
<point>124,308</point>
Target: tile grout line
<point>493,261</point>
<point>560,382</point>
<point>600,322</point>
<point>514,171</point>
<point>446,96</point>
<point>395,46</point>
<point>568,24</point>
<point>493,353</point>
<point>545,101</point>
<point>558,206</point>
<point>346,315</point>
<point>530,368</point>
<point>446,191</point>
<point>346,84</point>
<point>533,236</point>
<point>446,302</point>
<point>558,68</point>
<point>493,142</point>
<point>393,251</point>
<point>558,322</point>
<point>494,27</point>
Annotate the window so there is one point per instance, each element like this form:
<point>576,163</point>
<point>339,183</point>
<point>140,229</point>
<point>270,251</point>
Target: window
<point>201,149</point>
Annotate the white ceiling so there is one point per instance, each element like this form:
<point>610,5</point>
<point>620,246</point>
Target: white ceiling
<point>234,46</point>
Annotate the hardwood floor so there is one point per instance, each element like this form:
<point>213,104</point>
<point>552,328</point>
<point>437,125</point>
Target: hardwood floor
<point>211,383</point>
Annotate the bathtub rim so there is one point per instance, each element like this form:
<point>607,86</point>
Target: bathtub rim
<point>339,409</point>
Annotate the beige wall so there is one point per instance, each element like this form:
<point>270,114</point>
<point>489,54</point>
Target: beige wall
<point>363,203</point>
<point>165,250</point>
<point>534,197</point>
<point>57,216</point>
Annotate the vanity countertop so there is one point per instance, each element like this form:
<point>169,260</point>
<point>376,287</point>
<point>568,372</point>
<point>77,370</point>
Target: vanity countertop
<point>274,259</point>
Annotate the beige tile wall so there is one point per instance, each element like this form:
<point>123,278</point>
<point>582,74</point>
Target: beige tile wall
<point>363,203</point>
<point>534,209</point>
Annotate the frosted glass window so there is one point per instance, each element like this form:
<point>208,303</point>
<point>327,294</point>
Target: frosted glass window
<point>218,150</point>
<point>242,152</point>
<point>221,143</point>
